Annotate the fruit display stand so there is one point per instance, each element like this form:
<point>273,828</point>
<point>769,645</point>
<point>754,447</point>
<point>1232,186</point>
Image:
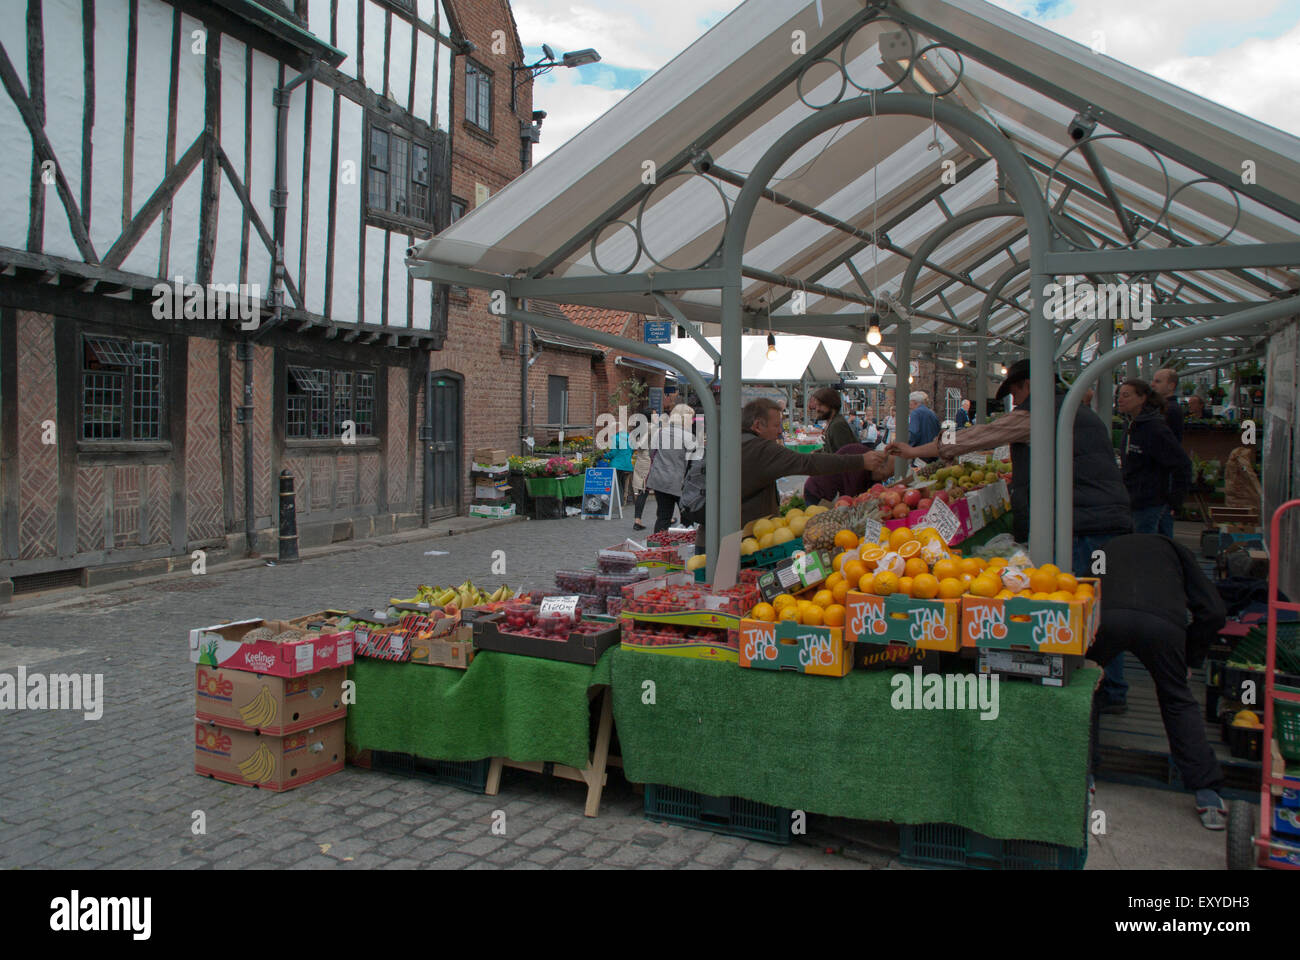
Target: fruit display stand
<point>904,621</point>
<point>843,749</point>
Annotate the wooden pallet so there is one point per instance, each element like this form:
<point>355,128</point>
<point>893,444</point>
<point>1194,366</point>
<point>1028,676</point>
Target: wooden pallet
<point>1132,747</point>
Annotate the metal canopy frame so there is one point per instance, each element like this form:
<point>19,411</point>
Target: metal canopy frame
<point>1059,244</point>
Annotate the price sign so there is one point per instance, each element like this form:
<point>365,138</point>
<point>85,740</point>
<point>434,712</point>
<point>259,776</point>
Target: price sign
<point>873,531</point>
<point>559,605</point>
<point>943,520</point>
<point>1002,453</point>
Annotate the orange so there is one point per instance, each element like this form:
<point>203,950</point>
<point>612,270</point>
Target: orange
<point>1061,596</point>
<point>865,582</point>
<point>783,600</point>
<point>915,566</point>
<point>846,539</point>
<point>854,570</point>
<point>910,549</point>
<point>1004,595</point>
<point>950,587</point>
<point>834,580</point>
<point>899,536</point>
<point>967,579</point>
<point>995,563</point>
<point>870,553</point>
<point>841,558</point>
<point>812,617</point>
<point>789,612</point>
<point>1026,593</point>
<point>840,593</point>
<point>946,568</point>
<point>884,583</point>
<point>925,586</point>
<point>833,616</point>
<point>1084,590</point>
<point>1042,580</point>
<point>905,585</point>
<point>1051,568</point>
<point>1067,581</point>
<point>986,585</point>
<point>1040,595</point>
<point>971,565</point>
<point>823,598</point>
<point>764,611</point>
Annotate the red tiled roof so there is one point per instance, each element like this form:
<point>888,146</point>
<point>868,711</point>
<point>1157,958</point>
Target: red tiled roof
<point>597,318</point>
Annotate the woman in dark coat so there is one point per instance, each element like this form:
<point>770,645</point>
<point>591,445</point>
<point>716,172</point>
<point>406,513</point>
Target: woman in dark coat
<point>1157,470</point>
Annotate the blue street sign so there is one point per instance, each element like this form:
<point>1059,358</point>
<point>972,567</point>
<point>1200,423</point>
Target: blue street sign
<point>658,331</point>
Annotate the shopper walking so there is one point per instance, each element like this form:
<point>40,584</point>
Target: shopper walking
<point>1165,384</point>
<point>1152,586</point>
<point>1157,471</point>
<point>670,444</point>
<point>641,470</point>
<point>922,424</point>
<point>620,458</point>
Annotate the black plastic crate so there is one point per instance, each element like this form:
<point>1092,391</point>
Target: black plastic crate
<point>469,775</point>
<point>733,816</point>
<point>948,845</point>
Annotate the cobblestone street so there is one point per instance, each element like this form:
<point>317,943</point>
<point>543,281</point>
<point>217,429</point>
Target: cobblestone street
<point>121,792</point>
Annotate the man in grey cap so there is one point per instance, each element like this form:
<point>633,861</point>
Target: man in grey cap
<point>1101,502</point>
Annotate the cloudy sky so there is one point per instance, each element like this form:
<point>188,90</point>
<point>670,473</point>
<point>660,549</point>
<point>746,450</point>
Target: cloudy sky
<point>1245,54</point>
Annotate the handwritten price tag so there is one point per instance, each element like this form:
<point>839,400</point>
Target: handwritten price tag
<point>943,520</point>
<point>872,534</point>
<point>558,605</point>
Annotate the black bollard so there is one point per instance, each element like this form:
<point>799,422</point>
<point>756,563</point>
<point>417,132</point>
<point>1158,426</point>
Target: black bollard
<point>288,520</point>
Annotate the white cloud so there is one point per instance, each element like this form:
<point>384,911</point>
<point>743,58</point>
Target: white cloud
<point>570,106</point>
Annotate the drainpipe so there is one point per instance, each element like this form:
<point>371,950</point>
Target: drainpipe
<point>426,435</point>
<point>524,351</point>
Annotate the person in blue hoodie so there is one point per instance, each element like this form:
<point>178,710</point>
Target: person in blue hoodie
<point>1157,470</point>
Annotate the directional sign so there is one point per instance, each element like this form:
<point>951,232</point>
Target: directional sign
<point>658,331</point>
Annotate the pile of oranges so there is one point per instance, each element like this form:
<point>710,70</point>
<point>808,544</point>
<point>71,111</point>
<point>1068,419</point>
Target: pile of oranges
<point>821,607</point>
<point>921,565</point>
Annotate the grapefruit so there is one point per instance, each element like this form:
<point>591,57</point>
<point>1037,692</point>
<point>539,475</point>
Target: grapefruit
<point>762,527</point>
<point>766,540</point>
<point>797,525</point>
<point>782,535</point>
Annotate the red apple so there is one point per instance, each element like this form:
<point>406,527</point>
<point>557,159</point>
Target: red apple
<point>900,511</point>
<point>890,499</point>
<point>877,490</point>
<point>942,495</point>
<point>844,502</point>
<point>912,498</point>
<point>924,504</point>
<point>861,499</point>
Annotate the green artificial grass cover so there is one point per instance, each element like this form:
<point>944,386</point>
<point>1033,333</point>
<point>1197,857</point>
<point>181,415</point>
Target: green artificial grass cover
<point>836,746</point>
<point>524,708</point>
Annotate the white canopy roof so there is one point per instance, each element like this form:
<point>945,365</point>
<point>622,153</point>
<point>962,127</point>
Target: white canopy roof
<point>720,95</point>
<point>795,357</point>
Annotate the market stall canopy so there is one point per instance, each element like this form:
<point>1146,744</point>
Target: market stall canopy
<point>796,358</point>
<point>665,157</point>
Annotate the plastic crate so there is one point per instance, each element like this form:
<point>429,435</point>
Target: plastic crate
<point>733,816</point>
<point>1286,717</point>
<point>469,775</point>
<point>772,555</point>
<point>947,845</point>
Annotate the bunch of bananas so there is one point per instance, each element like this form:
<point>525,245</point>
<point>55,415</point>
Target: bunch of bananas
<point>259,711</point>
<point>465,596</point>
<point>259,767</point>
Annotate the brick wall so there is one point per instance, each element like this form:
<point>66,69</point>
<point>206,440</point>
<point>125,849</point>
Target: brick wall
<point>203,482</point>
<point>262,410</point>
<point>38,463</point>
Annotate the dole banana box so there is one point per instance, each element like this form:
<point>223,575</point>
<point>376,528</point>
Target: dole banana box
<point>903,621</point>
<point>222,645</point>
<point>1019,623</point>
<point>271,763</point>
<point>821,651</point>
<point>273,705</point>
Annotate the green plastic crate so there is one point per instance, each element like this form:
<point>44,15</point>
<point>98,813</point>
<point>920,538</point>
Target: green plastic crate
<point>772,555</point>
<point>1287,718</point>
<point>468,775</point>
<point>733,816</point>
<point>948,845</point>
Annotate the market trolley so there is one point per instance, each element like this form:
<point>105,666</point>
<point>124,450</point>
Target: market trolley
<point>1252,841</point>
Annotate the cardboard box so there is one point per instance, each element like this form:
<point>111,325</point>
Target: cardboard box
<point>492,456</point>
<point>271,763</point>
<point>719,652</point>
<point>454,649</point>
<point>272,705</point>
<point>489,491</point>
<point>1043,626</point>
<point>823,651</point>
<point>903,620</point>
<point>492,512</point>
<point>223,645</point>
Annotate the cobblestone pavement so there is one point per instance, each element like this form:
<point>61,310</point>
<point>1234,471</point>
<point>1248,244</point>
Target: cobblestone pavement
<point>120,792</point>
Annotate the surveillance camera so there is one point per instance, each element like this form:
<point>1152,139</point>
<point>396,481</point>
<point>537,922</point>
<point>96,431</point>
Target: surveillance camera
<point>411,251</point>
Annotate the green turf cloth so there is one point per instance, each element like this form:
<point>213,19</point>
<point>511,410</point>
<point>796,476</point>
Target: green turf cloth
<point>524,708</point>
<point>836,747</point>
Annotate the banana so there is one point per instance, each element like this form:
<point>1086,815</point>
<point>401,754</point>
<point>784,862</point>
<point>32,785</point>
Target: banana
<point>259,711</point>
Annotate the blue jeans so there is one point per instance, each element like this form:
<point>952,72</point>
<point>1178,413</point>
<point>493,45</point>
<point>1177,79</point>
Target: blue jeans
<point>1166,526</point>
<point>1147,519</point>
<point>1114,689</point>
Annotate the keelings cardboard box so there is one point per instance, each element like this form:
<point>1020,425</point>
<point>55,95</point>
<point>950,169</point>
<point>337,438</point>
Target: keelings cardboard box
<point>272,763</point>
<point>272,705</point>
<point>228,645</point>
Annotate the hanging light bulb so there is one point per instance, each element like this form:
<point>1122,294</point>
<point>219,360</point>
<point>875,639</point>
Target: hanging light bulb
<point>771,345</point>
<point>911,379</point>
<point>1004,369</point>
<point>873,331</point>
<point>959,362</point>
<point>863,362</point>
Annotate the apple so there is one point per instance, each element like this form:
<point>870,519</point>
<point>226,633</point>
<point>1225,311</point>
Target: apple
<point>901,511</point>
<point>861,499</point>
<point>924,503</point>
<point>844,502</point>
<point>890,499</point>
<point>877,489</point>
<point>942,495</point>
<point>912,498</point>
